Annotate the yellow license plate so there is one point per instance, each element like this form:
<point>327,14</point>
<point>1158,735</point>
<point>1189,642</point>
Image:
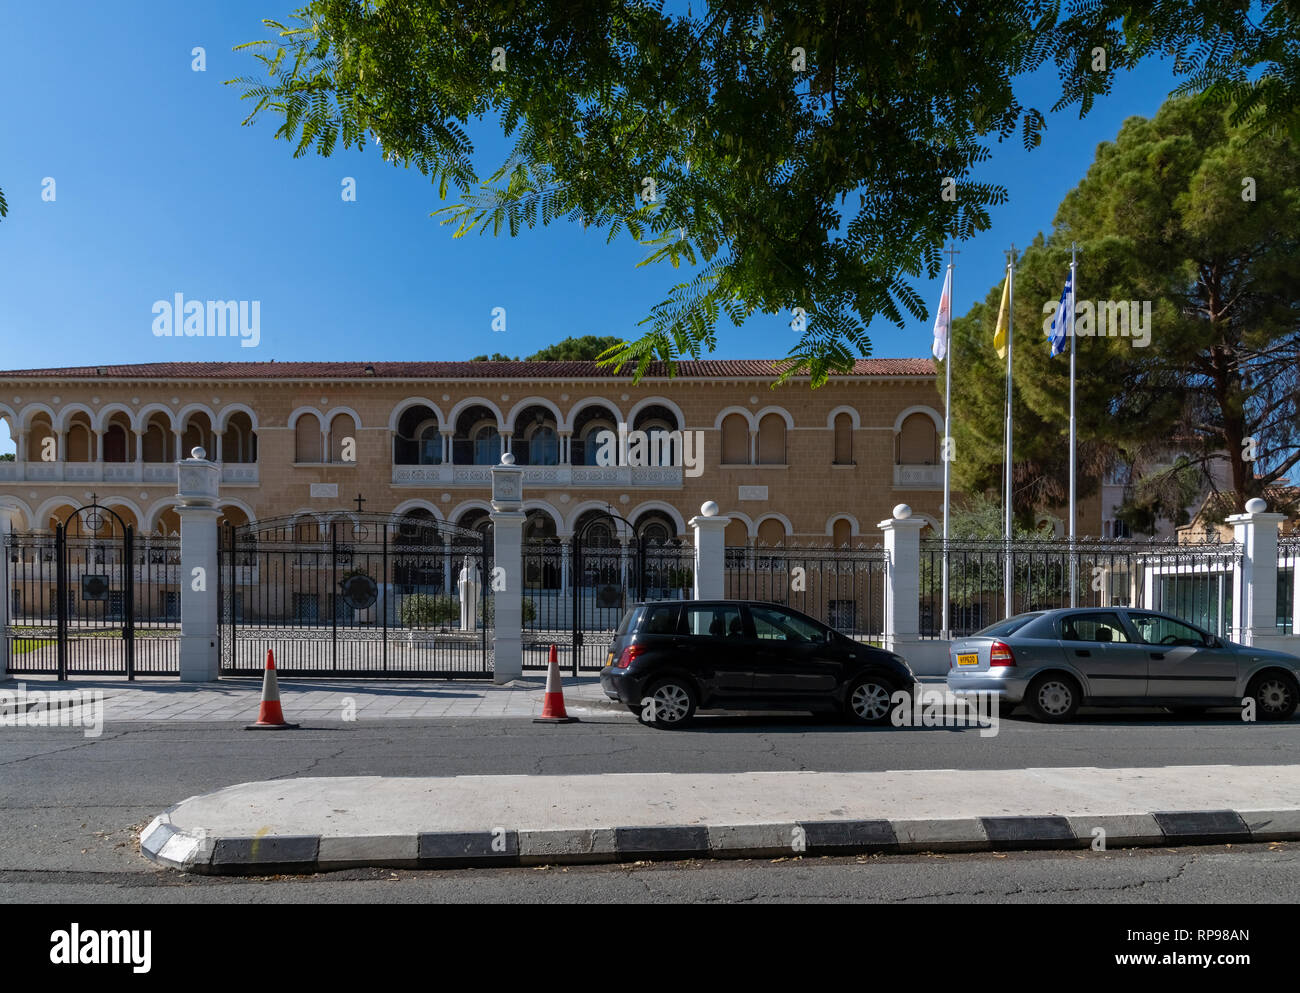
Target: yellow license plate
<point>968,659</point>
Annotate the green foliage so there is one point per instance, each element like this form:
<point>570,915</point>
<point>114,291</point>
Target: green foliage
<point>427,610</point>
<point>1159,217</point>
<point>7,457</point>
<point>4,205</point>
<point>779,185</point>
<point>495,357</point>
<point>589,346</point>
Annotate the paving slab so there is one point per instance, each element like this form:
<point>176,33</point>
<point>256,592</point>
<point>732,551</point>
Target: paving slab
<point>308,824</point>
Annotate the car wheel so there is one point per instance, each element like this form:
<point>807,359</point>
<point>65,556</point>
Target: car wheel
<point>1275,696</point>
<point>668,703</point>
<point>868,699</point>
<point>1053,698</point>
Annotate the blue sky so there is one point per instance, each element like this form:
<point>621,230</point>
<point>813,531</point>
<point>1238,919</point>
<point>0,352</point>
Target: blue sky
<point>159,191</point>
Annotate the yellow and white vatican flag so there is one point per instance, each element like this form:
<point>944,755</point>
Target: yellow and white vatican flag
<point>1001,332</point>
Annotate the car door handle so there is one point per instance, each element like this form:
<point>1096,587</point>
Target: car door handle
<point>1083,653</point>
<point>1157,655</point>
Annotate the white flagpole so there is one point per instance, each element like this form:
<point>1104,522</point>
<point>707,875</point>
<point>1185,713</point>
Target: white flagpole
<point>945,633</point>
<point>1008,592</point>
<point>1074,559</point>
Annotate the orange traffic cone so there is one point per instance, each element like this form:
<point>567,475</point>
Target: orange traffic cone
<point>269,714</point>
<point>553,703</point>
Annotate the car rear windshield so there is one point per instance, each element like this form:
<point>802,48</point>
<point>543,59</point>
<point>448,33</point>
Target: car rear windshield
<point>628,621</point>
<point>1009,626</point>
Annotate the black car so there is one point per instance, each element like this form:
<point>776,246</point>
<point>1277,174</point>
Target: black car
<point>670,658</point>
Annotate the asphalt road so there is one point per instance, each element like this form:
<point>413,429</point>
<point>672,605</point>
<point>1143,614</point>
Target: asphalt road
<point>69,807</point>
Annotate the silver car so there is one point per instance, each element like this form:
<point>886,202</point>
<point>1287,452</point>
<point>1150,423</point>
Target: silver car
<point>1054,661</point>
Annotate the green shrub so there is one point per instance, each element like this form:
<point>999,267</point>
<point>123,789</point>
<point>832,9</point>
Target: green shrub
<point>426,610</point>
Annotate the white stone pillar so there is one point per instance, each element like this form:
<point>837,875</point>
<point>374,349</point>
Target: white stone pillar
<point>1254,584</point>
<point>199,483</point>
<point>902,579</point>
<point>8,522</point>
<point>508,555</point>
<point>710,552</point>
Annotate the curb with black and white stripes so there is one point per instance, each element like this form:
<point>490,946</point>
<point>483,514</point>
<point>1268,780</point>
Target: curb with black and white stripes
<point>200,852</point>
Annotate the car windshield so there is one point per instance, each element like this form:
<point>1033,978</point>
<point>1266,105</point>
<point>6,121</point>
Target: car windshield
<point>1009,626</point>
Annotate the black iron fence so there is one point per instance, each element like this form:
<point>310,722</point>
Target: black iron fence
<point>93,604</point>
<point>360,595</point>
<point>1191,581</point>
<point>1288,567</point>
<point>843,587</point>
<point>576,594</point>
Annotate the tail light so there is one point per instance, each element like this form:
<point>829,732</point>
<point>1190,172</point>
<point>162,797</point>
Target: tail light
<point>1000,655</point>
<point>629,655</point>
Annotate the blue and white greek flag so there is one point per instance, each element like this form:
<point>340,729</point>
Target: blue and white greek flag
<point>1061,322</point>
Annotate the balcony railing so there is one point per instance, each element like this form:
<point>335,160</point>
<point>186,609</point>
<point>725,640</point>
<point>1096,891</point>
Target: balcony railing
<point>161,473</point>
<point>547,475</point>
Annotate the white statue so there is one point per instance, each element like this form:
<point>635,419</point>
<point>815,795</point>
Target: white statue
<point>469,584</point>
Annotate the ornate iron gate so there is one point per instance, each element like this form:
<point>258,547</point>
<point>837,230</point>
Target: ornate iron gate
<point>93,599</point>
<point>576,592</point>
<point>360,595</point>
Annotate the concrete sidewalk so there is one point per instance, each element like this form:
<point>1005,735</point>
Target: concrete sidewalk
<point>306,825</point>
<point>308,700</point>
<point>156,698</point>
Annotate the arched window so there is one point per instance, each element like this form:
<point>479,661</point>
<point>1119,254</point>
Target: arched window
<point>307,439</point>
<point>430,445</point>
<point>843,440</point>
<point>544,446</point>
<point>841,533</point>
<point>918,441</point>
<point>342,427</point>
<point>487,445</point>
<point>735,440</point>
<point>476,440</point>
<point>417,441</point>
<point>771,532</point>
<point>771,440</point>
<point>591,420</point>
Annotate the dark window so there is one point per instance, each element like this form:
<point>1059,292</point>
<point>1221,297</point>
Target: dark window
<point>771,624</point>
<point>712,622</point>
<point>1009,626</point>
<point>1093,627</point>
<point>1157,630</point>
<point>659,618</point>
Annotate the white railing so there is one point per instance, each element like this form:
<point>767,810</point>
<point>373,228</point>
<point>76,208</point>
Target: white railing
<point>547,475</point>
<point>239,473</point>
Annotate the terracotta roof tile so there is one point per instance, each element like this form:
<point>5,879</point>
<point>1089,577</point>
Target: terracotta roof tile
<point>701,369</point>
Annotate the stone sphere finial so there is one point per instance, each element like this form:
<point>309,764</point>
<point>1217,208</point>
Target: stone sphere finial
<point>902,512</point>
<point>709,509</point>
